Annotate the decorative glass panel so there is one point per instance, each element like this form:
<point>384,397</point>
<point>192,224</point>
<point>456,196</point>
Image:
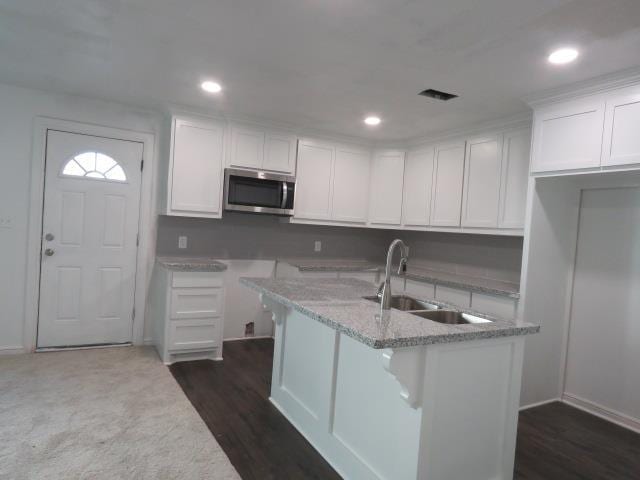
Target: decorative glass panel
<point>94,165</point>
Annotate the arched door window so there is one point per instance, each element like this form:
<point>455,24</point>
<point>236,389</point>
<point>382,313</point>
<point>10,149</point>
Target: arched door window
<point>94,165</point>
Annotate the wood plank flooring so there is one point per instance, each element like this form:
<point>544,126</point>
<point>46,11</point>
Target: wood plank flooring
<point>555,441</point>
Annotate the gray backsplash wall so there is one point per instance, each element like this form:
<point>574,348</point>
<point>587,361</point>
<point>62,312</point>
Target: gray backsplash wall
<point>243,236</point>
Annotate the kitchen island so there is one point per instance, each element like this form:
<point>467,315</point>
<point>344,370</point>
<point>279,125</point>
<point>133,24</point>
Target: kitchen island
<point>392,395</point>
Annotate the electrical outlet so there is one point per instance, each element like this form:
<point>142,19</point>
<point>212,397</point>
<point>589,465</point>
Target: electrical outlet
<point>182,241</point>
<point>6,222</point>
<point>317,247</point>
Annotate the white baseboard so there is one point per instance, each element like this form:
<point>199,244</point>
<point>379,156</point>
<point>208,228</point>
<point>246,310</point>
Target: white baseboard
<point>247,338</point>
<point>12,350</point>
<point>602,412</point>
<point>539,404</point>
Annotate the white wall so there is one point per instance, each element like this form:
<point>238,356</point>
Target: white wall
<point>18,109</point>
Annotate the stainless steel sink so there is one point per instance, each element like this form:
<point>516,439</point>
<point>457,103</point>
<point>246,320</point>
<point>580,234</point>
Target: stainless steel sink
<point>450,317</point>
<point>406,304</point>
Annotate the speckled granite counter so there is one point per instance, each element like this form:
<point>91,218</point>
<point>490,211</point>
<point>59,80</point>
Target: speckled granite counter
<point>191,264</point>
<point>437,277</point>
<point>338,303</point>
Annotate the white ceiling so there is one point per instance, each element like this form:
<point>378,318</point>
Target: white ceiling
<point>318,64</point>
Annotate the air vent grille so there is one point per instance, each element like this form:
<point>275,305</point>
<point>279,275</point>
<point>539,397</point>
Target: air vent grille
<point>437,94</point>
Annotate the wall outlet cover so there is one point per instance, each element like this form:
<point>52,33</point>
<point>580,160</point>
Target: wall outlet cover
<point>317,247</point>
<point>182,241</point>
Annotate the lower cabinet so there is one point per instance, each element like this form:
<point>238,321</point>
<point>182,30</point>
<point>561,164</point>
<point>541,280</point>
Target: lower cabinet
<point>186,309</point>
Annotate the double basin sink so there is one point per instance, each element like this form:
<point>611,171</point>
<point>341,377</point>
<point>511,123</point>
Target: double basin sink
<point>430,311</point>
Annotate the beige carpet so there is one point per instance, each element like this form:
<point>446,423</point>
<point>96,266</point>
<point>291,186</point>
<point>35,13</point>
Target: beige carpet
<point>114,413</point>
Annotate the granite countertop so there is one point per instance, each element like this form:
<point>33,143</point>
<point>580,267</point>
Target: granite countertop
<point>438,277</point>
<point>191,264</point>
<point>338,303</point>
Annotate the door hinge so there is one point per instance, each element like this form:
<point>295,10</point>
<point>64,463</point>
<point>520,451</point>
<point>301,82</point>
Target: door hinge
<point>141,164</point>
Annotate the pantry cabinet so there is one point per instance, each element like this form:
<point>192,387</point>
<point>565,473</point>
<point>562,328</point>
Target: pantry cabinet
<point>387,178</point>
<point>448,177</point>
<point>418,181</point>
<point>482,178</point>
<point>194,187</point>
<point>259,149</point>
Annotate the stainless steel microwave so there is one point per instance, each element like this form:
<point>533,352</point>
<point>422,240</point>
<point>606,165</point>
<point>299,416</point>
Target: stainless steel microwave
<point>258,192</point>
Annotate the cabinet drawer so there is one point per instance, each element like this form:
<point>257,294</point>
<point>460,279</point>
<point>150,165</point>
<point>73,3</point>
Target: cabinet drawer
<point>196,279</point>
<point>459,298</point>
<point>503,307</point>
<point>196,302</point>
<point>201,333</point>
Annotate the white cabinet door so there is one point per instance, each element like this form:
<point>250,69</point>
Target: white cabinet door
<point>314,181</point>
<point>247,147</point>
<point>568,137</point>
<point>622,131</point>
<point>481,194</point>
<point>279,153</point>
<point>418,179</point>
<point>448,177</point>
<point>195,172</point>
<point>387,176</point>
<point>351,185</point>
<point>515,178</point>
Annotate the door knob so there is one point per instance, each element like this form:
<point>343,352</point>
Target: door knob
<point>49,236</point>
<point>49,251</point>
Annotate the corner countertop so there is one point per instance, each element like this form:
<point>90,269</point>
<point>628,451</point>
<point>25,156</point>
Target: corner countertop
<point>437,277</point>
<point>338,303</point>
<point>191,264</point>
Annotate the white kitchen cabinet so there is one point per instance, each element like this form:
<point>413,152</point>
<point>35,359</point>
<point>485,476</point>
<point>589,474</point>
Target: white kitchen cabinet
<point>247,147</point>
<point>482,176</point>
<point>515,178</point>
<point>568,137</point>
<point>621,134</point>
<point>314,181</point>
<point>259,149</point>
<point>455,296</point>
<point>387,177</point>
<point>350,199</point>
<point>418,180</point>
<point>187,311</point>
<point>448,178</point>
<point>195,168</point>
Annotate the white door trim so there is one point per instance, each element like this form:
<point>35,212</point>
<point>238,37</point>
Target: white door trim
<point>146,225</point>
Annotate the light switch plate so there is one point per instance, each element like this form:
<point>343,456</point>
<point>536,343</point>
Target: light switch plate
<point>182,241</point>
<point>317,247</point>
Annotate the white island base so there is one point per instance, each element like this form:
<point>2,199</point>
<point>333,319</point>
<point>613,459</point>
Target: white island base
<point>435,412</point>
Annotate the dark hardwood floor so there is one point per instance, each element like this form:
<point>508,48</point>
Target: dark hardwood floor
<point>555,441</point>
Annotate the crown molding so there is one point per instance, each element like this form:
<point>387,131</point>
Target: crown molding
<point>520,120</point>
<point>592,86</point>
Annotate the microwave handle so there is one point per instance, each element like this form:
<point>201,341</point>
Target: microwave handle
<point>285,194</point>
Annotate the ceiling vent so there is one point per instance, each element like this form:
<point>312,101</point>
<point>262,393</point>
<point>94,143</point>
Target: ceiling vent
<point>438,95</point>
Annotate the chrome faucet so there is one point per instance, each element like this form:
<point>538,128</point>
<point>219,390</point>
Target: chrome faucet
<point>384,292</point>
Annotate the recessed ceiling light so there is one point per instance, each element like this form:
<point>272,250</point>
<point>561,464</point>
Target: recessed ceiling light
<point>372,121</point>
<point>211,87</point>
<point>563,55</point>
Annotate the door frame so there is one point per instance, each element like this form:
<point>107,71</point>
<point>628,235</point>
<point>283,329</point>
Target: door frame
<point>146,226</point>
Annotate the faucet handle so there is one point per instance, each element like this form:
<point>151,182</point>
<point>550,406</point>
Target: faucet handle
<point>402,267</point>
<point>380,290</point>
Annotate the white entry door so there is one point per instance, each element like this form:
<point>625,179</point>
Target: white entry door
<point>89,228</point>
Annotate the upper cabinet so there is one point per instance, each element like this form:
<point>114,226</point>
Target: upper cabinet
<point>314,181</point>
<point>482,178</point>
<point>195,168</point>
<point>262,150</point>
<point>386,188</point>
<point>332,182</point>
<point>515,178</point>
<point>418,180</point>
<point>621,130</point>
<point>448,177</point>
<point>351,185</point>
<point>568,137</point>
